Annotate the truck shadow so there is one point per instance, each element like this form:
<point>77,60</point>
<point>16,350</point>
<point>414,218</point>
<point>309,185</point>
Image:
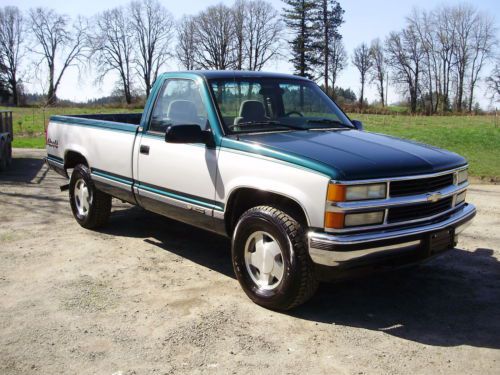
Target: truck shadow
<point>452,300</point>
<point>199,246</point>
<point>24,170</point>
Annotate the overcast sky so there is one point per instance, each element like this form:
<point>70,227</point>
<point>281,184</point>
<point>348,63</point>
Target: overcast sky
<point>364,21</point>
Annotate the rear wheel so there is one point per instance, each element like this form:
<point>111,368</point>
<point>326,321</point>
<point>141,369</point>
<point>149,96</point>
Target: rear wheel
<point>91,207</point>
<point>270,259</point>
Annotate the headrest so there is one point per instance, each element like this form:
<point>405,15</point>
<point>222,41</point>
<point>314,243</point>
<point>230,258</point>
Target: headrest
<point>183,112</point>
<point>252,110</point>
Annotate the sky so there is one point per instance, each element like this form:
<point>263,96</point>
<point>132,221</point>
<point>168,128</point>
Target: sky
<point>364,20</point>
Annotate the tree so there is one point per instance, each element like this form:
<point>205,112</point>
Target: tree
<point>186,43</point>
<point>493,82</point>
<point>214,37</point>
<point>423,23</point>
<point>329,17</point>
<point>299,18</point>
<point>337,61</point>
<point>445,37</point>
<point>464,17</point>
<point>345,95</point>
<point>113,48</point>
<point>483,42</point>
<point>405,55</point>
<point>263,31</point>
<point>152,27</point>
<point>362,60</point>
<point>239,10</point>
<point>57,41</point>
<point>379,71</point>
<point>12,34</point>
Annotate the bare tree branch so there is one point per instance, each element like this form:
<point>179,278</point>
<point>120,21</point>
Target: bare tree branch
<point>57,41</point>
<point>153,28</point>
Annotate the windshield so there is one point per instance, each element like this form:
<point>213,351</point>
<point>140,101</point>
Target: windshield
<point>250,105</point>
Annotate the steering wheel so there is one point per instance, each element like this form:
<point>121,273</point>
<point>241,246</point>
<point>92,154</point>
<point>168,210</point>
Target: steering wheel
<point>294,112</point>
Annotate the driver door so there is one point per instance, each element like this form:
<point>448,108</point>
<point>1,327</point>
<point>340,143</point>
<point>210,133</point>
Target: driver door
<point>177,179</point>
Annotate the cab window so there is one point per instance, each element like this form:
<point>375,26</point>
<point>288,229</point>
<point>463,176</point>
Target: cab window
<point>179,103</point>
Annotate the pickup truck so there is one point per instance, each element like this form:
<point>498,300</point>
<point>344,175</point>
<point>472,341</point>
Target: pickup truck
<point>305,194</point>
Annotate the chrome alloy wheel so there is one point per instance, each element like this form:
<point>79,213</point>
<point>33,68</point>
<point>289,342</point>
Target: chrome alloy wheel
<point>82,196</point>
<point>264,260</point>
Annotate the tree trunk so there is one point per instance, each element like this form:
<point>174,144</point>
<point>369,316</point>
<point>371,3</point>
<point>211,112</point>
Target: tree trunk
<point>326,50</point>
<point>460,90</point>
<point>302,46</point>
<point>471,97</point>
<point>51,94</point>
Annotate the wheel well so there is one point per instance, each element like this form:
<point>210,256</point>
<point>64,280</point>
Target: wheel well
<point>245,198</point>
<point>73,158</point>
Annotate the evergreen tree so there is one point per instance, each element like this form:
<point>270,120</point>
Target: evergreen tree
<point>300,19</point>
<point>328,18</point>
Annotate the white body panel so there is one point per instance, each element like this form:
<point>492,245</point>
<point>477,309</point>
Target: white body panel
<point>193,170</point>
<point>106,149</point>
<point>307,188</point>
<point>186,168</point>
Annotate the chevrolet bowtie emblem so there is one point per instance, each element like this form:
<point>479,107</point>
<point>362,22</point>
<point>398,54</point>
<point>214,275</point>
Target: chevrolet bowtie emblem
<point>434,197</point>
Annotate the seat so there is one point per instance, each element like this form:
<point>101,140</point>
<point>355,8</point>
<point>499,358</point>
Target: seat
<point>251,110</point>
<point>183,112</point>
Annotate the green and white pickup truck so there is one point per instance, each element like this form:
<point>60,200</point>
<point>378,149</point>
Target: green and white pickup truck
<point>271,162</point>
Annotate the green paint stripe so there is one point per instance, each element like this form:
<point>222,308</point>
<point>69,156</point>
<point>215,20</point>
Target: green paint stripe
<point>110,177</point>
<point>100,124</point>
<point>219,207</point>
<point>55,158</point>
<point>216,206</point>
<point>256,150</point>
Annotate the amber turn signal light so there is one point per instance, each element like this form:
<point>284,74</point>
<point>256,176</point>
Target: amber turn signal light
<point>336,193</point>
<point>334,220</point>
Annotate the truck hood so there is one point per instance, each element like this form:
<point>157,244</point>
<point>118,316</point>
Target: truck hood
<point>356,155</point>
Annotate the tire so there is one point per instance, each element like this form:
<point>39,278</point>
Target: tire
<point>91,207</point>
<point>270,239</point>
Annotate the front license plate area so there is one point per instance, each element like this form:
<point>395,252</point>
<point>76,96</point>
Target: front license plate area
<point>442,240</point>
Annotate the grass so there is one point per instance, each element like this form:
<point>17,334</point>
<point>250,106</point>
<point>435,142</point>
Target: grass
<point>474,137</point>
<point>29,123</point>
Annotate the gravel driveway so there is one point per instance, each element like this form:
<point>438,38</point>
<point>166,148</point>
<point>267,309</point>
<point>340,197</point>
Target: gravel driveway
<point>148,295</point>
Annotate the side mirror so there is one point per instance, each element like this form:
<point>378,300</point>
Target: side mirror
<point>186,134</point>
<point>358,124</point>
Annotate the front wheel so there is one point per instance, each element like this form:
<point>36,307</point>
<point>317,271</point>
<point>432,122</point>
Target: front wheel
<point>91,207</point>
<point>270,259</point>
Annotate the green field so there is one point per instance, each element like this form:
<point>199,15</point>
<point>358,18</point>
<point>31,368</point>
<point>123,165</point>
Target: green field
<point>474,137</point>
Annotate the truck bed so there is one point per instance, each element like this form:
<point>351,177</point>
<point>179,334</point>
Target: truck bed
<point>124,118</point>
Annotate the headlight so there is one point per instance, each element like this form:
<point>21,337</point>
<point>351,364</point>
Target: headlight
<point>462,176</point>
<point>460,198</point>
<point>341,193</point>
<point>365,218</point>
<point>339,220</point>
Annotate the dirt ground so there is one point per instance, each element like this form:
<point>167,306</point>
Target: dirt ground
<point>148,295</point>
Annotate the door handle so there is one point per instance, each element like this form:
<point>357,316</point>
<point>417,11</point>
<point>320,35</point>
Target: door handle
<point>144,149</point>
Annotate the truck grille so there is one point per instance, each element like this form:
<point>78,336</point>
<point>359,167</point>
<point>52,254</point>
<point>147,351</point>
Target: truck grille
<point>418,211</point>
<point>420,185</point>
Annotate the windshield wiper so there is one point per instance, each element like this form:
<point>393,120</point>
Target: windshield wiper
<point>263,123</point>
<point>327,121</point>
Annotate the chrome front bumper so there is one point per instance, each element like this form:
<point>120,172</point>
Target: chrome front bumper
<point>334,250</point>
